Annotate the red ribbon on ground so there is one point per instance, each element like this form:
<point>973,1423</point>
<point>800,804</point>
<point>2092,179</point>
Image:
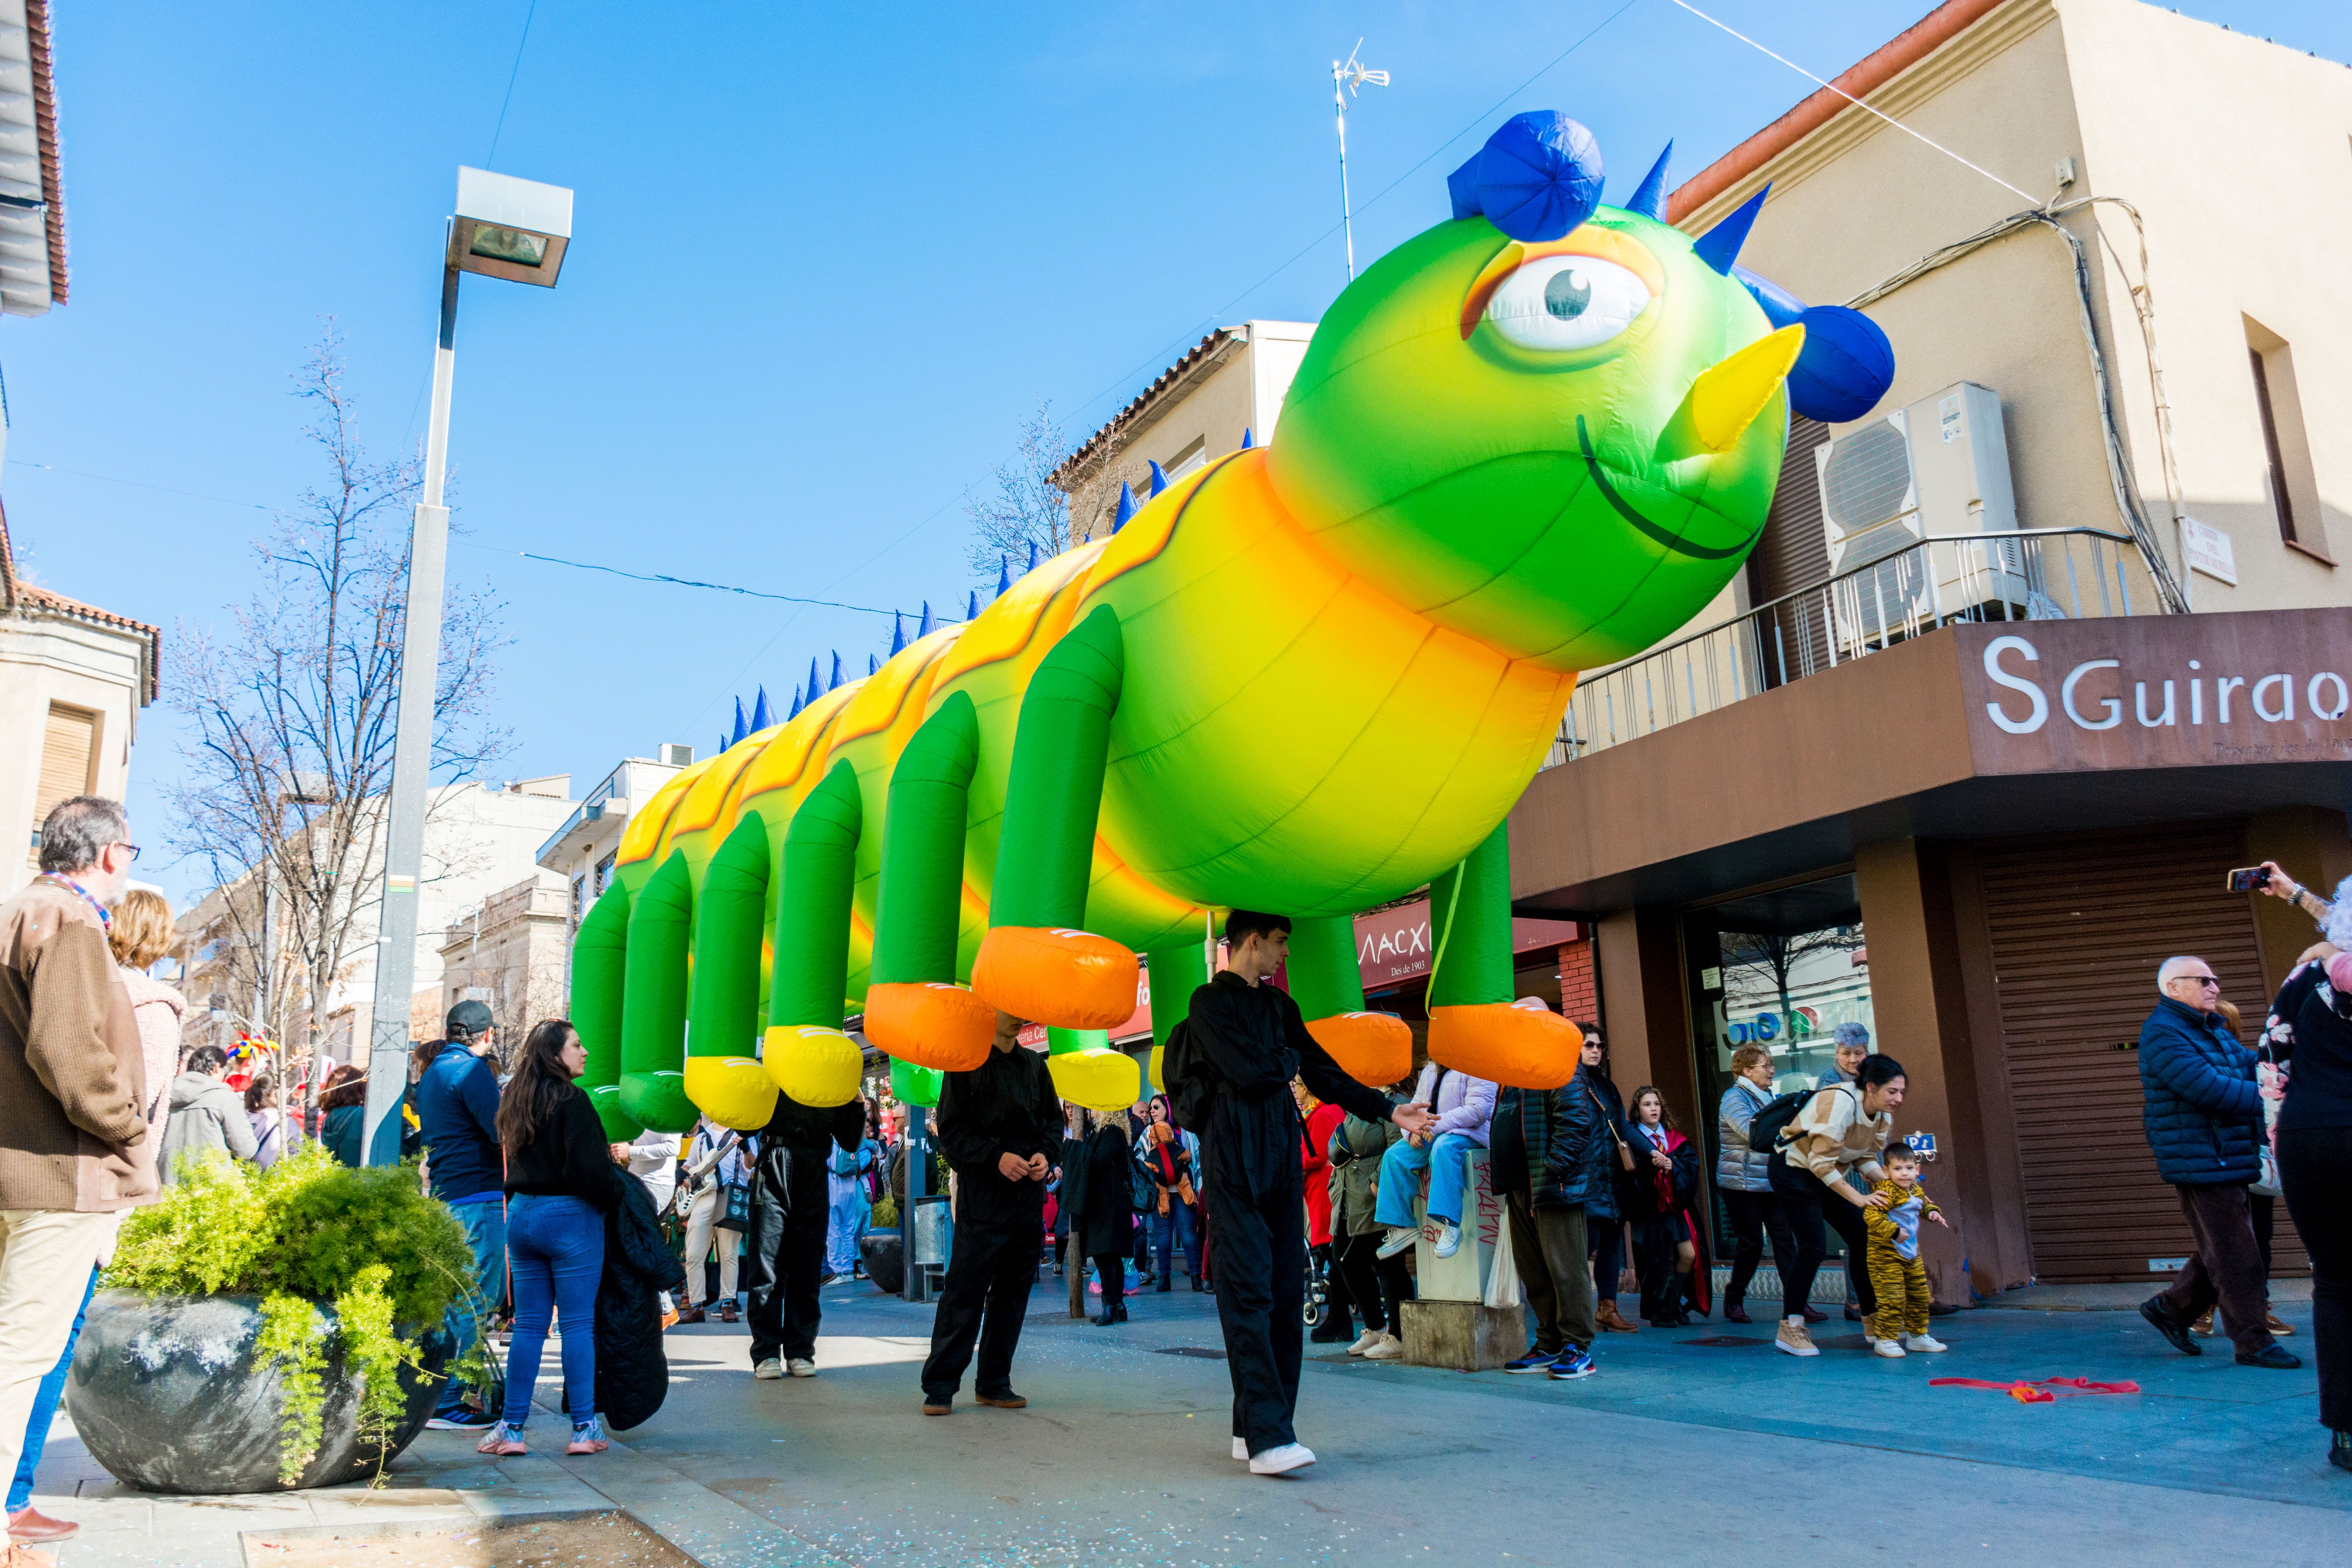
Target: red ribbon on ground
<point>2046,1391</point>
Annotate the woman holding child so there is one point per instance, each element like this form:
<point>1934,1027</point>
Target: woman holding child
<point>1827,1163</point>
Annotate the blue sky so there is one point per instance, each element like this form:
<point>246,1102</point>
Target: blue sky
<point>825,261</point>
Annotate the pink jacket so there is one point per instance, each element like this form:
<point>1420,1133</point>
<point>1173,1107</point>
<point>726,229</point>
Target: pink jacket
<point>157,1009</point>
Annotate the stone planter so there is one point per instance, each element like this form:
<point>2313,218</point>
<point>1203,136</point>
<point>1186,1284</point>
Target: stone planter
<point>165,1394</point>
<point>883,1265</point>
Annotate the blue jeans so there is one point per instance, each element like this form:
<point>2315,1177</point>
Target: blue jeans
<point>1403,1162</point>
<point>486,1227</point>
<point>557,1249</point>
<point>44,1410</point>
<point>1178,1227</point>
<point>844,1224</point>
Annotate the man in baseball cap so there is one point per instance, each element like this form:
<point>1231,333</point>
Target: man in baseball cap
<point>457,1104</point>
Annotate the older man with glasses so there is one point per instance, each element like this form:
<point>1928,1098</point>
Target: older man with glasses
<point>2204,1120</point>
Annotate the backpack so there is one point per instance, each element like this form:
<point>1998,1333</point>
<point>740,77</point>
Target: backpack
<point>1770,1123</point>
<point>1193,1083</point>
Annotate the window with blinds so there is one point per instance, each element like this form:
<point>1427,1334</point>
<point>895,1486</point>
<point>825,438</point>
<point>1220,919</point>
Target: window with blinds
<point>69,755</point>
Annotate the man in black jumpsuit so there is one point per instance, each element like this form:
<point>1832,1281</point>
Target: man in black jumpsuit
<point>787,1250</point>
<point>997,1124</point>
<point>1248,1041</point>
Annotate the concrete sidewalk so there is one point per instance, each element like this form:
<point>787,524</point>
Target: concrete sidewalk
<point>1682,1446</point>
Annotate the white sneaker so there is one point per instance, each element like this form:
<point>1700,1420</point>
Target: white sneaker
<point>1927,1342</point>
<point>1400,1238</point>
<point>801,1367</point>
<point>1390,1348</point>
<point>1241,1449</point>
<point>1371,1337</point>
<point>769,1368</point>
<point>1283,1460</point>
<point>1449,1239</point>
<point>1888,1349</point>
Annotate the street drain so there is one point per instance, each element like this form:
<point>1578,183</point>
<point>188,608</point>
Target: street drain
<point>1729,1341</point>
<point>1202,1352</point>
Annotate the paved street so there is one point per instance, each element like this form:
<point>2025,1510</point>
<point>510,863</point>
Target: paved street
<point>1690,1450</point>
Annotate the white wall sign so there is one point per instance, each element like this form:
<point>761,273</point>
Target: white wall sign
<point>2209,550</point>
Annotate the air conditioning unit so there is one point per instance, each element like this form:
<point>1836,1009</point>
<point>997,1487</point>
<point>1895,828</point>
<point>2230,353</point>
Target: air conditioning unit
<point>1938,466</point>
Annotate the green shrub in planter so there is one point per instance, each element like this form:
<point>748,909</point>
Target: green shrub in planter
<point>308,1230</point>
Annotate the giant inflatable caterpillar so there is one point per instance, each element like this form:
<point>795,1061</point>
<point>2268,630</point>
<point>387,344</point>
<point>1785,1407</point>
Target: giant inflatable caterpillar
<point>1309,678</point>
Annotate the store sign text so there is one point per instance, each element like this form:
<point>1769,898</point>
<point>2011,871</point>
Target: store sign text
<point>2093,700</point>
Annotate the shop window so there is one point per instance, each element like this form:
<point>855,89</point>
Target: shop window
<point>2293,489</point>
<point>1779,970</point>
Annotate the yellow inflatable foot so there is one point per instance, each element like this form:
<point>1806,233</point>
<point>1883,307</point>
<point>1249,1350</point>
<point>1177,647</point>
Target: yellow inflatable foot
<point>1511,1046</point>
<point>930,1024</point>
<point>1373,1049</point>
<point>815,1065</point>
<point>734,1092</point>
<point>1070,979</point>
<point>1099,1078</point>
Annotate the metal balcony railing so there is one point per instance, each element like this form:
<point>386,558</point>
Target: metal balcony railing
<point>2042,574</point>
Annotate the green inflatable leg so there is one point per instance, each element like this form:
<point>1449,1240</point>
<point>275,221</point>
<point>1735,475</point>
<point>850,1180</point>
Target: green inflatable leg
<point>1177,969</point>
<point>722,1076</point>
<point>599,982</point>
<point>914,1008</point>
<point>1036,963</point>
<point>1328,983</point>
<point>653,1010</point>
<point>1473,1026</point>
<point>806,1054</point>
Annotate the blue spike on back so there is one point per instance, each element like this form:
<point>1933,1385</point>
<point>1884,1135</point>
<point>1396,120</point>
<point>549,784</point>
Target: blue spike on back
<point>1003,574</point>
<point>1033,555</point>
<point>929,625</point>
<point>1649,197</point>
<point>1248,440</point>
<point>1719,247</point>
<point>760,719</point>
<point>1128,505</point>
<point>741,729</point>
<point>722,742</point>
<point>837,671</point>
<point>971,608</point>
<point>1159,481</point>
<point>897,633</point>
<point>873,665</point>
<point>799,702</point>
<point>816,682</point>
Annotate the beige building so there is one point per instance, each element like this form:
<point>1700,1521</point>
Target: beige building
<point>1229,386</point>
<point>512,951</point>
<point>478,839</point>
<point>73,680</point>
<point>579,851</point>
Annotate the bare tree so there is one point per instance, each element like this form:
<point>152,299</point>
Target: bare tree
<point>1769,959</point>
<point>1048,494</point>
<point>281,797</point>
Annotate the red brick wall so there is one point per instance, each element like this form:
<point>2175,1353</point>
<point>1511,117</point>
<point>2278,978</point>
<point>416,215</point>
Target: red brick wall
<point>1579,993</point>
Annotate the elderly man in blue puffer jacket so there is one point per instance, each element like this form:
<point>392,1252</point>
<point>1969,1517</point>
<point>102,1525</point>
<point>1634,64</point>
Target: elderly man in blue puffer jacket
<point>2204,1118</point>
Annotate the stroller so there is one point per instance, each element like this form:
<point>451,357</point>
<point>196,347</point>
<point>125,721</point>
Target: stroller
<point>1316,1308</point>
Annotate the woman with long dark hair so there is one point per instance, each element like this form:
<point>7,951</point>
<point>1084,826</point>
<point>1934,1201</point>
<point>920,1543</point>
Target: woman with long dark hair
<point>560,1183</point>
<point>1825,1168</point>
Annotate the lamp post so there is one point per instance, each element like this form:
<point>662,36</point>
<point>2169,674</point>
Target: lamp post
<point>1347,79</point>
<point>517,230</point>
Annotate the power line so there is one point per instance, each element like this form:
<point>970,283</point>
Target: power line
<point>135,484</point>
<point>492,160</point>
<point>716,588</point>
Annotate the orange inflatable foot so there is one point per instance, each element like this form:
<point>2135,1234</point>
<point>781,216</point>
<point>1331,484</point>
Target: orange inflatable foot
<point>1070,979</point>
<point>1511,1046</point>
<point>930,1024</point>
<point>1371,1047</point>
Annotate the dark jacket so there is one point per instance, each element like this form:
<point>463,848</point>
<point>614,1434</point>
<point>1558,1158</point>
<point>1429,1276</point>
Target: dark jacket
<point>2311,1026</point>
<point>1604,1175</point>
<point>456,1101</point>
<point>1252,1041</point>
<point>1652,1191</point>
<point>568,1158</point>
<point>1542,1141</point>
<point>632,1371</point>
<point>341,1130</point>
<point>1110,1194</point>
<point>2202,1109</point>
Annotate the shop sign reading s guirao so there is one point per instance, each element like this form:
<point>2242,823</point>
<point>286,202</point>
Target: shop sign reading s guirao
<point>2161,691</point>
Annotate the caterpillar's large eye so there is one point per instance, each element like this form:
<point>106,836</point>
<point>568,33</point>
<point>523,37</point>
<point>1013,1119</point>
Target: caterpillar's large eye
<point>1567,302</point>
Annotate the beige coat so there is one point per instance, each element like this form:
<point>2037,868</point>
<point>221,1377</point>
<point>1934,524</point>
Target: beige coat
<point>157,1009</point>
<point>1831,1137</point>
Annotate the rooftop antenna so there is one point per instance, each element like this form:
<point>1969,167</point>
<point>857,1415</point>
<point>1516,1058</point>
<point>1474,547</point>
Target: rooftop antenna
<point>1347,80</point>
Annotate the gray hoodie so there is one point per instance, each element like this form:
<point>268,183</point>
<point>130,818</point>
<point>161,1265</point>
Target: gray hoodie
<point>206,1114</point>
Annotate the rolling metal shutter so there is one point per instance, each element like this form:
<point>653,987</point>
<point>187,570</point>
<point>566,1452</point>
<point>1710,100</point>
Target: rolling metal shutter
<point>68,742</point>
<point>2078,925</point>
<point>1792,553</point>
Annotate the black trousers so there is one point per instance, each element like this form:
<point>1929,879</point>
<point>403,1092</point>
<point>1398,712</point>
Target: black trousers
<point>1110,1269</point>
<point>1808,1204</point>
<point>1753,1214</point>
<point>1261,1289</point>
<point>1378,1286</point>
<point>2314,1166</point>
<point>991,1265</point>
<point>783,1253</point>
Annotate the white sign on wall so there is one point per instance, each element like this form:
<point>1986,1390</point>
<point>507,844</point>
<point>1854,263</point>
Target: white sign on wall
<point>2209,550</point>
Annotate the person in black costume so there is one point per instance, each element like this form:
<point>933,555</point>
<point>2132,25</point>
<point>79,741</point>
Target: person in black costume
<point>1246,1041</point>
<point>997,1124</point>
<point>784,1252</point>
<point>1109,1220</point>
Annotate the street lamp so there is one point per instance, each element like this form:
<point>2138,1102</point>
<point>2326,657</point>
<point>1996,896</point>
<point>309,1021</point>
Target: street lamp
<point>1347,79</point>
<point>502,228</point>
